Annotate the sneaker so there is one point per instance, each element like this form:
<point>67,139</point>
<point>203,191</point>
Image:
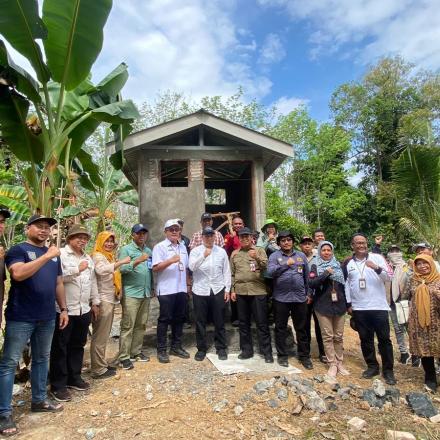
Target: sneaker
<point>415,361</point>
<point>389,378</point>
<point>179,352</point>
<point>200,355</point>
<point>235,323</point>
<point>404,358</point>
<point>268,358</point>
<point>141,357</point>
<point>306,363</point>
<point>162,357</point>
<point>342,370</point>
<point>108,373</point>
<point>370,372</point>
<point>222,355</point>
<point>430,386</point>
<point>79,385</point>
<point>62,395</point>
<point>323,358</point>
<point>283,361</point>
<point>243,355</point>
<point>126,364</point>
<point>332,371</point>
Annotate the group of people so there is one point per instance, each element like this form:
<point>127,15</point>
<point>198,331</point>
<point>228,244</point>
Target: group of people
<point>56,294</point>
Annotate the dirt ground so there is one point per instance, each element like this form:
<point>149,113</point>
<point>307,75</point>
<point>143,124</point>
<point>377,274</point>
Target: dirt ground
<point>186,399</point>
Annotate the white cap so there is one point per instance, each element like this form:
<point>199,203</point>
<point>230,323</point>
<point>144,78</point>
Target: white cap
<point>171,222</point>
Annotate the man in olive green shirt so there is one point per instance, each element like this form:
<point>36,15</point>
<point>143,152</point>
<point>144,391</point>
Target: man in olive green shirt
<point>137,289</point>
<point>249,290</point>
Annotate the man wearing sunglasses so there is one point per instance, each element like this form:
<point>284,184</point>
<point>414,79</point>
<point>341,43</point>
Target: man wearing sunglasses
<point>290,273</point>
<point>170,263</point>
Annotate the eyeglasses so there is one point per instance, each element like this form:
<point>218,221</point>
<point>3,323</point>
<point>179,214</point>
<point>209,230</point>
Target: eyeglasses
<point>174,229</point>
<point>283,240</point>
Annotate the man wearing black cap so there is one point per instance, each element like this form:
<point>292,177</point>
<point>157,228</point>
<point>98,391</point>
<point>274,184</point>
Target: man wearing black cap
<point>36,283</point>
<point>206,222</point>
<point>290,273</point>
<point>4,214</point>
<point>137,289</point>
<point>211,286</point>
<point>249,290</point>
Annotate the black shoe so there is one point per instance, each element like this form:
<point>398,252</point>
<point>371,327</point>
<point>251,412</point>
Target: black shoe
<point>323,358</point>
<point>62,395</point>
<point>404,358</point>
<point>200,355</point>
<point>108,373</point>
<point>111,367</point>
<point>187,325</point>
<point>222,355</point>
<point>306,363</point>
<point>141,357</point>
<point>162,357</point>
<point>430,386</point>
<point>283,361</point>
<point>268,358</point>
<point>370,372</point>
<point>243,355</point>
<point>79,385</point>
<point>179,352</point>
<point>415,361</point>
<point>126,364</point>
<point>235,323</point>
<point>389,377</point>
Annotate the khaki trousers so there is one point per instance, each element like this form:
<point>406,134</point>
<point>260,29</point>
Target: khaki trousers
<point>332,329</point>
<point>101,332</point>
<point>133,325</point>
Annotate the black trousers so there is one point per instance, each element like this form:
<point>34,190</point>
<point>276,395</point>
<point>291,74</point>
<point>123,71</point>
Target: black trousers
<point>67,351</point>
<point>234,311</point>
<point>369,323</point>
<point>214,306</point>
<point>256,305</point>
<point>171,312</point>
<point>310,313</point>
<point>429,368</point>
<point>298,312</point>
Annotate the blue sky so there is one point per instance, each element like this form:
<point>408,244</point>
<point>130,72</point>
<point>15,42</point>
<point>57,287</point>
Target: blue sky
<point>285,52</point>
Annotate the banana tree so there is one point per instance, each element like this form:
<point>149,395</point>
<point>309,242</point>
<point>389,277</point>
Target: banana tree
<point>45,120</point>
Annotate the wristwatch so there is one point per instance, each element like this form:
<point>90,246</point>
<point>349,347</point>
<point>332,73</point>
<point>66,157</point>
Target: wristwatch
<point>64,309</point>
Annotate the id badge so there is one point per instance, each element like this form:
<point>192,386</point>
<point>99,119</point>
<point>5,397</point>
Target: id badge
<point>181,266</point>
<point>252,266</point>
<point>300,269</point>
<point>362,283</point>
<point>334,296</point>
<point>149,263</point>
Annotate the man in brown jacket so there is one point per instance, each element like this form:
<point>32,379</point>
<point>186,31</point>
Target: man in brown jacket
<point>249,290</point>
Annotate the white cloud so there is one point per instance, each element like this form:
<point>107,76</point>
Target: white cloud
<point>272,50</point>
<point>189,46</point>
<point>285,105</point>
<point>408,27</point>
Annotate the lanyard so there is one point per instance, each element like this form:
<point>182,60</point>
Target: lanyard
<point>361,272</point>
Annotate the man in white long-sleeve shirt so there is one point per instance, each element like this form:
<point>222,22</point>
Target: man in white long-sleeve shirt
<point>366,296</point>
<point>211,287</point>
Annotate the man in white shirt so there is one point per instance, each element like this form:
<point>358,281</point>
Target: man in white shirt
<point>170,263</point>
<point>211,286</point>
<point>367,274</point>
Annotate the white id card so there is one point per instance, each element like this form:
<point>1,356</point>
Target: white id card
<point>181,266</point>
<point>362,283</point>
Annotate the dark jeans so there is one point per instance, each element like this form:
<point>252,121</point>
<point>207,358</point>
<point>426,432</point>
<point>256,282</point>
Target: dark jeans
<point>171,312</point>
<point>214,304</point>
<point>234,311</point>
<point>256,305</point>
<point>67,352</point>
<point>310,313</point>
<point>298,312</point>
<point>17,333</point>
<point>429,368</point>
<point>368,323</point>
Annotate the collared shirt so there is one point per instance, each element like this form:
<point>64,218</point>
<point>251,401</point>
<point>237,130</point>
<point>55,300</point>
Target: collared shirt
<point>373,297</point>
<point>197,239</point>
<point>81,287</point>
<point>247,273</point>
<point>104,276</point>
<point>290,283</point>
<point>211,272</point>
<point>136,281</point>
<point>172,279</point>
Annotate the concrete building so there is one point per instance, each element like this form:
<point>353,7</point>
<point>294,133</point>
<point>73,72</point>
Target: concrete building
<point>199,163</point>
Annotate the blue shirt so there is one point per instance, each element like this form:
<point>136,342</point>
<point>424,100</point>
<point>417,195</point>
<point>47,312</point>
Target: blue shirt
<point>290,283</point>
<point>32,299</point>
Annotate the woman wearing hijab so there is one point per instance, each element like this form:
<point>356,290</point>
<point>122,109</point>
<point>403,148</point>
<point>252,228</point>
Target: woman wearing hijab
<point>424,316</point>
<point>327,280</point>
<point>110,289</point>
